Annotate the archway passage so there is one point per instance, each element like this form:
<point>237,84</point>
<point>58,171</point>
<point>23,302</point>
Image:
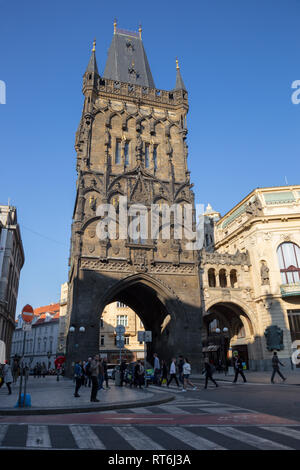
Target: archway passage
<point>227,328</point>
<point>175,325</point>
<point>151,310</point>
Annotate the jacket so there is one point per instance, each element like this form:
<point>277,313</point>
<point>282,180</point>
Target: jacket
<point>7,375</point>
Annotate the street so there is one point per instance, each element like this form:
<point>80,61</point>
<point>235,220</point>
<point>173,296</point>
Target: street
<point>251,416</point>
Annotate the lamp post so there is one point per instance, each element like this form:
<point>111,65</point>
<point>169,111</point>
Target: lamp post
<point>222,334</point>
<point>73,329</point>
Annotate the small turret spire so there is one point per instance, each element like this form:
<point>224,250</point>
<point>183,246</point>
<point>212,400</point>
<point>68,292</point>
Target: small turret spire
<point>115,25</point>
<point>94,45</point>
<point>179,82</point>
<point>140,31</point>
<point>92,65</point>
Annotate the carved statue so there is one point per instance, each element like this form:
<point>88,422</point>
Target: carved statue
<point>274,338</point>
<point>264,273</point>
<point>106,138</point>
<point>254,208</point>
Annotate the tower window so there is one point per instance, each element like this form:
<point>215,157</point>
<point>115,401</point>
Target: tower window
<point>147,160</point>
<point>118,152</point>
<point>155,157</point>
<point>126,153</point>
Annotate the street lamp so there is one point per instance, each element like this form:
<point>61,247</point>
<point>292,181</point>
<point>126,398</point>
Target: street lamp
<point>222,333</point>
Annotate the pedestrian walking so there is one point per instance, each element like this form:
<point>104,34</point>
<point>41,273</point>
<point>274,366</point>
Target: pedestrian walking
<point>156,370</point>
<point>44,370</point>
<point>180,369</point>
<point>7,376</point>
<point>101,375</point>
<point>87,371</point>
<point>122,373</point>
<point>164,373</point>
<point>173,375</point>
<point>208,371</point>
<point>78,373</point>
<point>94,377</point>
<point>275,365</point>
<point>138,374</point>
<point>186,374</point>
<point>105,375</point>
<point>238,367</point>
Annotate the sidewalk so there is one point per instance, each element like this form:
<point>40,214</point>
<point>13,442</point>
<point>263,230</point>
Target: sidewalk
<point>49,396</point>
<point>262,377</point>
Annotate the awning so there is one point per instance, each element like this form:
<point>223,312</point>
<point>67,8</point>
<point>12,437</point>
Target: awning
<point>211,348</point>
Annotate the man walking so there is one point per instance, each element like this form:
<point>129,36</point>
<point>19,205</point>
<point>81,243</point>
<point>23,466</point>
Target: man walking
<point>238,367</point>
<point>275,365</point>
<point>156,370</point>
<point>173,373</point>
<point>78,372</point>
<point>208,372</point>
<point>94,377</point>
<point>180,369</point>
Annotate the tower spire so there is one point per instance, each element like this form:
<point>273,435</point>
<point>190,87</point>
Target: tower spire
<point>92,65</point>
<point>179,82</point>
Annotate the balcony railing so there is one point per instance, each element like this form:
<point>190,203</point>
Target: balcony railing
<point>288,290</point>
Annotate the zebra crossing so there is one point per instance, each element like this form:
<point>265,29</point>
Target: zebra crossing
<point>152,438</point>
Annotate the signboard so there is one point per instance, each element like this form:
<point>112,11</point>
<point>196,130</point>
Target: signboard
<point>26,327</point>
<point>145,336</point>
<point>27,314</point>
<point>120,341</point>
<point>120,329</point>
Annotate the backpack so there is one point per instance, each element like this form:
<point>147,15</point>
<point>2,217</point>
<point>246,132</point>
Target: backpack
<point>88,369</point>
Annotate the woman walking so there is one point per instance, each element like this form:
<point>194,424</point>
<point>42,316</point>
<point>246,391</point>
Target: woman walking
<point>186,374</point>
<point>173,373</point>
<point>7,376</point>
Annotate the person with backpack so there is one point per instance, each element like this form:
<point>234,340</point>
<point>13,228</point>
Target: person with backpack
<point>208,371</point>
<point>78,373</point>
<point>275,365</point>
<point>238,367</point>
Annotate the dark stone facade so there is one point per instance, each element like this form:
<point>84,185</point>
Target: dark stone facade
<point>131,142</point>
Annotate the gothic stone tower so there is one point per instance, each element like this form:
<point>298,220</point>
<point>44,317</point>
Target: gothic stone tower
<point>131,142</point>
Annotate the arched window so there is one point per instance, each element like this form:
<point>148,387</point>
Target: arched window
<point>233,278</point>
<point>289,262</point>
<point>222,278</point>
<point>211,278</point>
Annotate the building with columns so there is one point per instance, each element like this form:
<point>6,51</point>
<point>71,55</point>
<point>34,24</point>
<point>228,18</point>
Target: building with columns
<point>251,277</point>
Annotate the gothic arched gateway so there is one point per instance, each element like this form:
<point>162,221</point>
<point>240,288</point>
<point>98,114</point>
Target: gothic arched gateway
<point>131,143</point>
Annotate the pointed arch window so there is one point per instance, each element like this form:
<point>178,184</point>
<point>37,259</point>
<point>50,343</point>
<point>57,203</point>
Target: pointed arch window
<point>155,157</point>
<point>289,262</point>
<point>147,158</point>
<point>118,152</point>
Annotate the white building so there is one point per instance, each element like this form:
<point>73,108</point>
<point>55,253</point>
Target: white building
<point>41,342</point>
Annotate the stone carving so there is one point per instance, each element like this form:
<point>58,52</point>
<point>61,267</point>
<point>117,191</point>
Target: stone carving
<point>238,258</point>
<point>254,208</point>
<point>264,274</point>
<point>274,338</point>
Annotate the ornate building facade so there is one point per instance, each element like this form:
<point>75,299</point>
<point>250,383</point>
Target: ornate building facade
<point>131,143</point>
<point>250,273</point>
<point>11,263</point>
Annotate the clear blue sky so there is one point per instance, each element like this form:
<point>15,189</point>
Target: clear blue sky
<point>238,60</point>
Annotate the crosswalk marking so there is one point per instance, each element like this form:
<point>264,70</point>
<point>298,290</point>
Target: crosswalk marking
<point>259,442</point>
<point>174,409</point>
<point>137,439</point>
<point>191,439</point>
<point>3,430</point>
<point>38,436</point>
<point>286,431</point>
<point>86,438</point>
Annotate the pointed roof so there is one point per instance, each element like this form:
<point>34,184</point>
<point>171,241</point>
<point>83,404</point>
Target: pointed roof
<point>179,82</point>
<point>92,65</point>
<point>127,61</point>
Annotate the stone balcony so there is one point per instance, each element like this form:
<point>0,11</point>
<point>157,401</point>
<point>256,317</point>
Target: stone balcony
<point>289,290</point>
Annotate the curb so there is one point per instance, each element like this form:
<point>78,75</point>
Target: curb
<point>86,409</point>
